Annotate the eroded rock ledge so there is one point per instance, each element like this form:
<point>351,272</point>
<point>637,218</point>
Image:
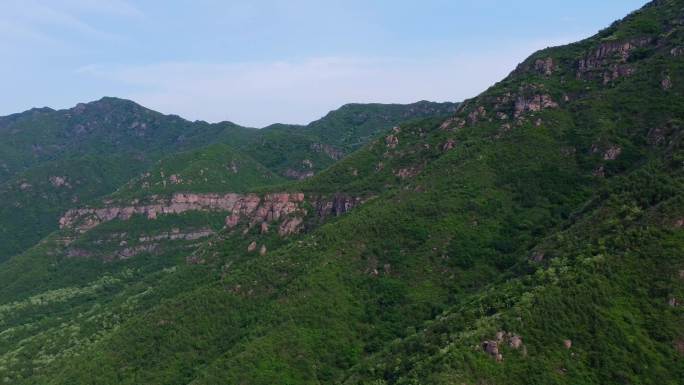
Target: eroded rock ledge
<point>253,209</point>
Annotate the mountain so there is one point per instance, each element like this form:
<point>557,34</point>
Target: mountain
<point>107,126</point>
<point>299,152</point>
<point>56,160</point>
<point>536,235</point>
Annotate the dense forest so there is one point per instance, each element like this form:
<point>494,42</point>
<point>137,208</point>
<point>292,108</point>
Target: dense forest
<point>533,234</point>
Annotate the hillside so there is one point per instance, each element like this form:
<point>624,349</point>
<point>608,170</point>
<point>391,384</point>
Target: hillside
<point>299,152</point>
<point>56,160</point>
<point>536,235</point>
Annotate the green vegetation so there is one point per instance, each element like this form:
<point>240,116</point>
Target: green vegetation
<point>32,203</point>
<point>545,215</point>
<point>216,168</point>
<point>321,143</point>
<point>97,147</point>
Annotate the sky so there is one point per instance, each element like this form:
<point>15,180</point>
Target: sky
<point>256,62</point>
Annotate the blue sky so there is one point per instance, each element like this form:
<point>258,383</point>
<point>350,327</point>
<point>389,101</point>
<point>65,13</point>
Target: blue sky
<point>262,61</point>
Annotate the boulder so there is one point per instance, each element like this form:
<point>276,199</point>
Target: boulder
<point>491,347</point>
<point>391,141</point>
<point>515,342</point>
<point>612,153</point>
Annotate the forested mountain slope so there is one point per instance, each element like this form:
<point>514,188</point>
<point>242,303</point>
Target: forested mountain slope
<point>51,161</point>
<point>535,236</point>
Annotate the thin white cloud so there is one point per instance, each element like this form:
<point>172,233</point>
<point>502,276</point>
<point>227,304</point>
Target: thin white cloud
<point>13,31</point>
<point>112,7</point>
<point>261,93</point>
<point>34,20</point>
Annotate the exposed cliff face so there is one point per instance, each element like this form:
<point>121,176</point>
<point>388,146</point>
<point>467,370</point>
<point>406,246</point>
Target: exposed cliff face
<point>271,208</point>
<point>339,204</point>
<point>530,98</point>
<point>610,51</point>
<point>609,60</point>
<point>176,234</point>
<point>120,246</point>
<point>545,66</point>
<point>270,205</point>
<point>283,213</point>
<point>533,103</point>
<point>606,63</point>
<point>85,219</point>
<point>251,209</point>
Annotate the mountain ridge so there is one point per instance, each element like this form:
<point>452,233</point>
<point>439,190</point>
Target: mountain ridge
<point>533,236</point>
<point>125,139</point>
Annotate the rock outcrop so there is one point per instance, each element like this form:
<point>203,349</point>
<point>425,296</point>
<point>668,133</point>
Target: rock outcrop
<point>544,66</point>
<point>86,218</point>
<point>612,153</point>
<point>337,205</point>
<point>448,145</point>
<point>175,179</point>
<point>119,246</point>
<point>533,103</point>
<point>392,141</point>
<point>493,347</point>
<point>666,83</point>
<point>332,152</point>
<point>176,234</point>
<point>59,181</point>
<point>477,114</point>
<point>297,174</point>
<point>290,226</point>
<point>409,172</point>
<point>252,209</point>
<point>609,60</point>
<point>515,342</point>
<point>130,252</point>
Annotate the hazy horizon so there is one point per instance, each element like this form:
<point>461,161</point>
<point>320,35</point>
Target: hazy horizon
<point>258,63</point>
